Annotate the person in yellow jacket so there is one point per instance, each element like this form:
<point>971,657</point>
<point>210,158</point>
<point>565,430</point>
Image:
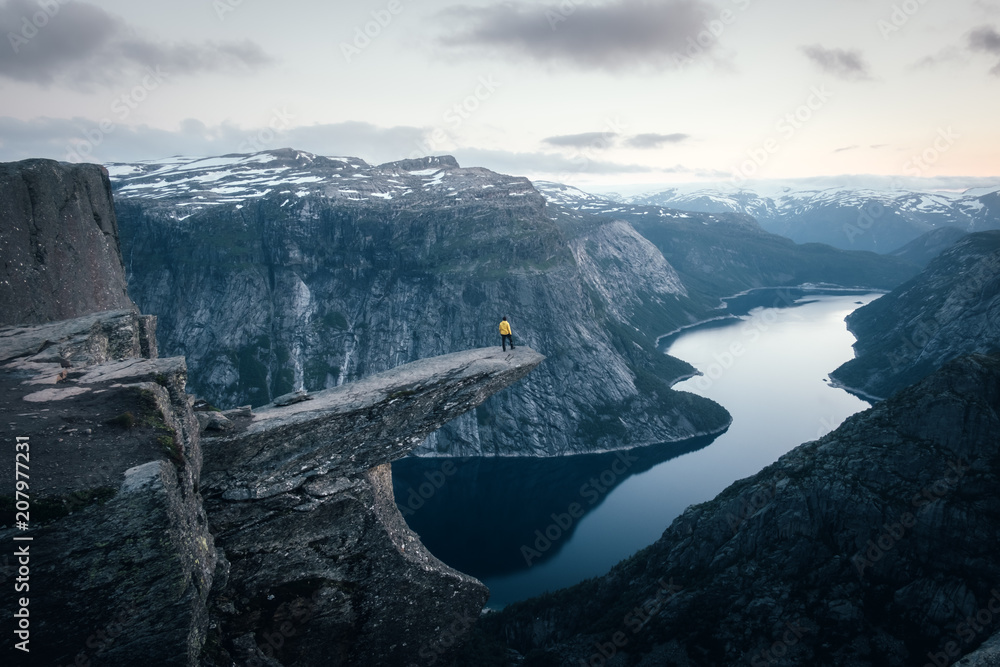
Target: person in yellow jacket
<point>505,334</point>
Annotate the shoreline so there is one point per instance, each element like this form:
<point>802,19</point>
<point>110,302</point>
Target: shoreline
<point>819,289</point>
<point>706,434</point>
<point>859,393</point>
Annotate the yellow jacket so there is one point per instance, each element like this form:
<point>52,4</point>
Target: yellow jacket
<point>504,328</point>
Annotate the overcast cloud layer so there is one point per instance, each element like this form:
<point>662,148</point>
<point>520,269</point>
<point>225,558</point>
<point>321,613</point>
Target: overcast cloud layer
<point>612,36</point>
<point>79,139</point>
<point>986,39</point>
<point>79,45</point>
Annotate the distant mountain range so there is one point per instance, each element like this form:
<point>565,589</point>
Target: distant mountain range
<point>849,218</point>
<point>283,270</point>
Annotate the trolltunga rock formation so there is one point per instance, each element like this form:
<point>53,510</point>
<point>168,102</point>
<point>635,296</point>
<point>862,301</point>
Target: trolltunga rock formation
<point>300,500</point>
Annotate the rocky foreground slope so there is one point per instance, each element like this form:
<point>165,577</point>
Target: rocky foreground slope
<point>873,546</point>
<point>950,309</point>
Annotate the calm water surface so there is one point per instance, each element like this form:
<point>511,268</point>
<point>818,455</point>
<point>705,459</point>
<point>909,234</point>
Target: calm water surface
<point>491,517</point>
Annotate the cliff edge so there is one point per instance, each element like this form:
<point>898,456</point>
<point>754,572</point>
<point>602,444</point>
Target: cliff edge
<point>950,309</point>
<point>320,561</point>
<point>59,243</point>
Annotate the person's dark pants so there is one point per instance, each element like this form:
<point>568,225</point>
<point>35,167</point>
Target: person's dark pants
<point>506,338</point>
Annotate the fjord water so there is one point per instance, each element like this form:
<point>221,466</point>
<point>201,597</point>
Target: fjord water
<point>524,526</point>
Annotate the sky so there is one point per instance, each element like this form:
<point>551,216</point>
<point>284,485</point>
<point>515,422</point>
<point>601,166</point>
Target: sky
<point>598,94</point>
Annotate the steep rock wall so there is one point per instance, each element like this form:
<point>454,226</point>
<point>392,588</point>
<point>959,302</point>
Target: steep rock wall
<point>951,309</point>
<point>59,243</point>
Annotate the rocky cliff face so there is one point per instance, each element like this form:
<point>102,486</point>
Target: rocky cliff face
<point>360,269</point>
<point>950,309</point>
<point>284,270</point>
<point>927,247</point>
<point>59,243</point>
<point>871,546</point>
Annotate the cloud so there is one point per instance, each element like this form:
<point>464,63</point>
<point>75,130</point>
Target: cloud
<point>945,56</point>
<point>604,140</point>
<point>609,36</point>
<point>987,7</point>
<point>509,162</point>
<point>846,148</point>
<point>73,139</point>
<point>79,45</point>
<point>839,62</point>
<point>556,167</point>
<point>651,140</point>
<point>987,40</point>
<point>79,139</point>
<point>593,140</point>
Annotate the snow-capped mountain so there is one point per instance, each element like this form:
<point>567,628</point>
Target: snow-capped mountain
<point>196,184</point>
<point>282,271</point>
<point>583,203</point>
<point>849,218</point>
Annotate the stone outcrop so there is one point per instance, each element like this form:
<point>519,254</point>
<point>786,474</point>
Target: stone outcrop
<point>121,556</point>
<point>874,545</point>
<point>951,309</point>
<point>300,500</point>
<point>59,243</point>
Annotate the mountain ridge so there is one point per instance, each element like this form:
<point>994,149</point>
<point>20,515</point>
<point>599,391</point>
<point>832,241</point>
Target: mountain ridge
<point>850,218</point>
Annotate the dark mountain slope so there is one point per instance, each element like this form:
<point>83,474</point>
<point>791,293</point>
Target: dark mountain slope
<point>923,249</point>
<point>950,309</point>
